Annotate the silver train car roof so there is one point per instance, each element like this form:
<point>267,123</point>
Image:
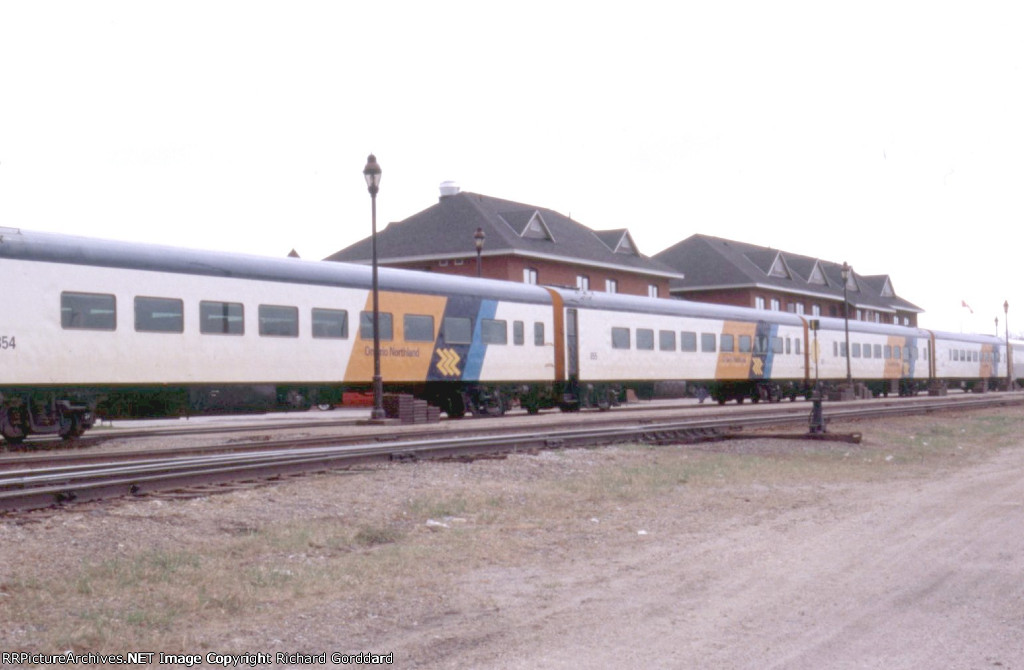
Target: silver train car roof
<point>75,250</point>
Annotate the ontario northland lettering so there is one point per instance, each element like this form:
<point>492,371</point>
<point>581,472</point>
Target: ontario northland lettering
<point>191,660</point>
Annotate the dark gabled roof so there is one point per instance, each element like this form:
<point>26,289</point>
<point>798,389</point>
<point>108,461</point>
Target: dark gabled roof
<point>445,230</point>
<point>710,263</point>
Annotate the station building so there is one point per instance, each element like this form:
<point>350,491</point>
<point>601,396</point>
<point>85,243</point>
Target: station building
<point>517,242</point>
<point>728,272</point>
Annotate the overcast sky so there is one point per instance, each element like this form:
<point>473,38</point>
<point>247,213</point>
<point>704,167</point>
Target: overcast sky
<point>886,134</point>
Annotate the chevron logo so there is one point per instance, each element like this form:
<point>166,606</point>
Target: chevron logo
<point>758,367</point>
<point>448,362</point>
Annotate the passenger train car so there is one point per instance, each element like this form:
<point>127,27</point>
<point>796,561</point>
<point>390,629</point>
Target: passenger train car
<point>85,321</point>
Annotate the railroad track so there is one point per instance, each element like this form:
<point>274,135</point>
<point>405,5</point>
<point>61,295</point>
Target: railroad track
<point>35,482</point>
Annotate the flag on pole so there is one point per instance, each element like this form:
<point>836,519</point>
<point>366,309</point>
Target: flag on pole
<point>963,303</point>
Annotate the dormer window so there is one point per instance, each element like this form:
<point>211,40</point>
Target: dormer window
<point>536,229</point>
<point>817,276</point>
<point>779,268</point>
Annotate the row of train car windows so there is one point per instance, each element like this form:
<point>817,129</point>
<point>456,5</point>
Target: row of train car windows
<point>709,342</point>
<point>94,311</point>
<point>888,352</point>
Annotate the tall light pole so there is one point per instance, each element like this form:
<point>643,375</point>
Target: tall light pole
<point>1009,360</point>
<point>372,174</point>
<point>846,321</point>
<point>478,240</point>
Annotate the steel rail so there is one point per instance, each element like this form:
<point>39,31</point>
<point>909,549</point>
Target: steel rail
<point>34,488</point>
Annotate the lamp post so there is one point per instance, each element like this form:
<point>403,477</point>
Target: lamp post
<point>372,174</point>
<point>846,321</point>
<point>1009,359</point>
<point>478,240</point>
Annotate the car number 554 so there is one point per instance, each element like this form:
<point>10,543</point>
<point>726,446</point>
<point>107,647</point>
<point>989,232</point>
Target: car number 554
<point>7,342</point>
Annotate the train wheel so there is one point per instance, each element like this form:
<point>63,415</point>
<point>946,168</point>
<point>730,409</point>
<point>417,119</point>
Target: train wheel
<point>70,426</point>
<point>11,429</point>
<point>454,405</point>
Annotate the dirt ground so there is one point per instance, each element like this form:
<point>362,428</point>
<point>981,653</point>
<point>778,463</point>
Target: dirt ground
<point>906,551</point>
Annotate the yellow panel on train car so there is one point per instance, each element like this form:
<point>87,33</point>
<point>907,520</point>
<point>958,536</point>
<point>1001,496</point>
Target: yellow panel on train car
<point>408,331</point>
<point>733,361</point>
<point>895,366</point>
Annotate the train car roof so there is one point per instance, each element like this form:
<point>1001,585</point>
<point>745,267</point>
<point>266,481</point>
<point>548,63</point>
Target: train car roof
<point>642,304</point>
<point>74,250</point>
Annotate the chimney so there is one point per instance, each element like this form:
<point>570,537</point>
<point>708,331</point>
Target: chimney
<point>449,188</point>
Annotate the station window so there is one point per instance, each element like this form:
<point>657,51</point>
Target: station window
<point>458,330</point>
<point>667,340</point>
<point>645,339</point>
<point>494,331</point>
<point>620,338</point>
<point>88,311</point>
<point>529,276</point>
<point>385,322</point>
<point>726,344</point>
<point>518,333</point>
<point>707,342</point>
<point>279,321</point>
<point>330,323</point>
<point>688,341</point>
<point>221,318</point>
<point>538,333</point>
<point>159,315</point>
<point>418,327</point>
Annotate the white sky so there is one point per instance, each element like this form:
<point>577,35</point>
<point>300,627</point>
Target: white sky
<point>886,134</point>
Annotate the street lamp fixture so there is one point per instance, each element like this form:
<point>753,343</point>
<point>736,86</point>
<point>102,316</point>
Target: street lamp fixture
<point>372,174</point>
<point>478,240</point>
<point>846,321</point>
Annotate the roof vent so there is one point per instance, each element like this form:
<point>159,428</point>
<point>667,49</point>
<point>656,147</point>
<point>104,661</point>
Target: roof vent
<point>449,188</point>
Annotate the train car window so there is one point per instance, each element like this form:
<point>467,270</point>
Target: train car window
<point>518,333</point>
<point>88,311</point>
<point>221,318</point>
<point>726,344</point>
<point>788,345</point>
<point>796,347</point>
<point>418,327</point>
<point>707,342</point>
<point>688,341</point>
<point>745,344</point>
<point>842,349</point>
<point>538,333</point>
<point>896,353</point>
<point>777,345</point>
<point>855,350</point>
<point>878,350</point>
<point>385,321</point>
<point>888,352</point>
<point>620,338</point>
<point>330,323</point>
<point>494,331</point>
<point>159,315</point>
<point>279,321</point>
<point>867,351</point>
<point>458,330</point>
<point>667,340</point>
<point>645,339</point>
